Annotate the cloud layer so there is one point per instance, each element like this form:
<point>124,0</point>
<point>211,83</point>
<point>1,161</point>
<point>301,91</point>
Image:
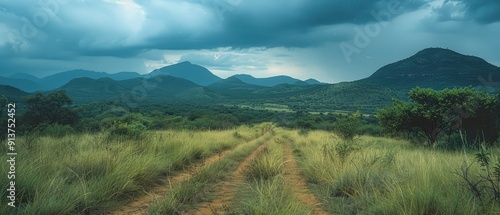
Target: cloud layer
<point>47,36</point>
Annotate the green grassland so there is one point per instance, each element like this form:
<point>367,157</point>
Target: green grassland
<point>85,173</point>
<point>88,172</point>
<point>388,176</point>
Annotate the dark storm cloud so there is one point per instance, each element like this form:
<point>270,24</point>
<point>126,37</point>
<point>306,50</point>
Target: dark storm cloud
<point>480,11</point>
<point>290,23</point>
<point>125,28</point>
<point>484,11</point>
<point>294,37</point>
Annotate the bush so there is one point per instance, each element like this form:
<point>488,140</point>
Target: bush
<point>130,131</point>
<point>349,127</point>
<point>372,130</point>
<point>453,143</point>
<point>485,185</point>
<point>303,132</point>
<point>57,130</point>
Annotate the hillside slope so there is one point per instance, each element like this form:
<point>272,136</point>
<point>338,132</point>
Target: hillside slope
<point>435,68</point>
<point>186,70</point>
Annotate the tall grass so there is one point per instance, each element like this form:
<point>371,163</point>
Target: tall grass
<point>271,196</point>
<point>266,190</point>
<point>387,176</point>
<point>268,164</point>
<point>90,172</point>
<point>190,191</point>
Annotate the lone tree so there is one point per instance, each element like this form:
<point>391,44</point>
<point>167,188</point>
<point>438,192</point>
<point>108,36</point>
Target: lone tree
<point>431,112</point>
<point>50,109</point>
<point>348,127</point>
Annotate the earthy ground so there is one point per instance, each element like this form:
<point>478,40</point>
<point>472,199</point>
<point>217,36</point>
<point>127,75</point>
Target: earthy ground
<point>298,183</point>
<point>227,190</point>
<point>141,205</point>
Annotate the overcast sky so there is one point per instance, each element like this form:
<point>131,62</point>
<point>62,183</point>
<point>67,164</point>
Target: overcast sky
<point>330,40</point>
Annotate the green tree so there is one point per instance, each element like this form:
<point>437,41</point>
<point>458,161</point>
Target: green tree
<point>48,110</point>
<point>397,118</point>
<point>483,124</point>
<point>431,112</point>
<point>348,127</point>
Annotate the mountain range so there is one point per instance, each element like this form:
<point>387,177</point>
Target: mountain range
<point>30,83</point>
<point>185,70</point>
<point>432,67</point>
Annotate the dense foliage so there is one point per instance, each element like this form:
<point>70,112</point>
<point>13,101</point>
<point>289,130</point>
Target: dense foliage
<point>53,108</point>
<point>470,113</point>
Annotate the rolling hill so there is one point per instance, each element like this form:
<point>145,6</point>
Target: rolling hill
<point>233,86</point>
<point>435,68</point>
<point>192,72</point>
<point>25,76</point>
<point>60,79</point>
<point>29,83</point>
<point>84,90</point>
<point>13,94</point>
<point>22,84</point>
<point>273,81</point>
<point>185,70</point>
<point>185,82</point>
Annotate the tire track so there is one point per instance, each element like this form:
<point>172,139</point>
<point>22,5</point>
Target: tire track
<point>141,204</point>
<point>228,189</point>
<point>298,183</point>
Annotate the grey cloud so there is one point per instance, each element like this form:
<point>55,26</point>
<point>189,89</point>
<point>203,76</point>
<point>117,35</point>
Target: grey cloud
<point>484,11</point>
<point>480,11</point>
<point>298,37</point>
<point>98,28</point>
<point>295,23</point>
<point>226,61</point>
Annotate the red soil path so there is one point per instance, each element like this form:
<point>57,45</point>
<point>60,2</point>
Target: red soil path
<point>228,189</point>
<point>298,183</point>
<point>141,204</point>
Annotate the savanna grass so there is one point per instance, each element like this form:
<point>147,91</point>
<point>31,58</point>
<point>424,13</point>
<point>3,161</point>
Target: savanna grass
<point>89,172</point>
<point>268,164</point>
<point>266,190</point>
<point>192,190</point>
<point>387,176</point>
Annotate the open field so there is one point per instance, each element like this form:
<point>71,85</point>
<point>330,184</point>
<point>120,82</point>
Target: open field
<point>248,170</point>
<point>95,173</point>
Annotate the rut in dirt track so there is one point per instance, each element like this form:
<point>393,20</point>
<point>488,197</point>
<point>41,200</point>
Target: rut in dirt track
<point>298,183</point>
<point>141,205</point>
<point>228,189</point>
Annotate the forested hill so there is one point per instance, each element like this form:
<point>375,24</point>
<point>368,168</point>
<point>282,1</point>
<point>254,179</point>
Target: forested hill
<point>436,68</point>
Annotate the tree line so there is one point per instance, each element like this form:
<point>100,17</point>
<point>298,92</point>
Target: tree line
<point>472,115</point>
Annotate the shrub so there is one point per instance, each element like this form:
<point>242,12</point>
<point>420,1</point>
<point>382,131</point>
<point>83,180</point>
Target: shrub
<point>57,130</point>
<point>349,127</point>
<point>130,131</point>
<point>485,185</point>
<point>303,132</point>
<point>372,130</point>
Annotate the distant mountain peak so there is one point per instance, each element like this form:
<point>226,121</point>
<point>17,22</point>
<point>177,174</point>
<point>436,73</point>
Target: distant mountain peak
<point>243,75</point>
<point>274,80</point>
<point>437,68</point>
<point>186,70</point>
<point>233,79</point>
<point>435,50</point>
